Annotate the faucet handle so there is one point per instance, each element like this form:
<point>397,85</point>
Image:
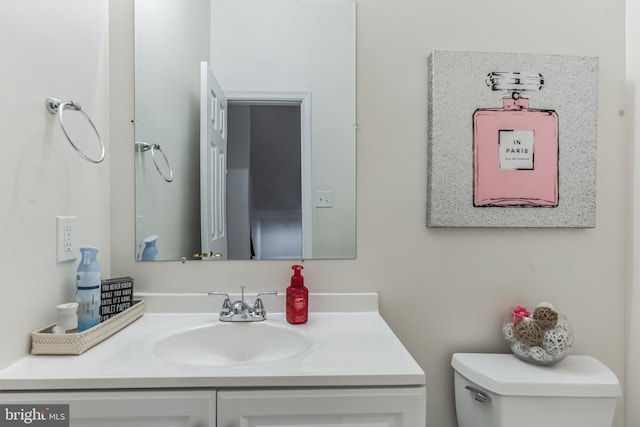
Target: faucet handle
<point>274,293</point>
<point>226,304</point>
<point>258,307</point>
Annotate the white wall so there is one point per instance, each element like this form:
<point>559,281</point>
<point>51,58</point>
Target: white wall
<point>48,49</point>
<point>444,290</point>
<point>632,412</point>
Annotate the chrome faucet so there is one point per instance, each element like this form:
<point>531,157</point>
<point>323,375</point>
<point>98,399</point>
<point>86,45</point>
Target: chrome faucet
<point>241,310</point>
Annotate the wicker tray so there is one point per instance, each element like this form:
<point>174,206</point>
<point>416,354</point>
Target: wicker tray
<point>43,341</point>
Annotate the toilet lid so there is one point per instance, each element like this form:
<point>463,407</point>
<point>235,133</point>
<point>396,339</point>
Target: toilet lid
<point>507,375</point>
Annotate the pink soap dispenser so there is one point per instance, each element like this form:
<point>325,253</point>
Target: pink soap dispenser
<point>297,298</point>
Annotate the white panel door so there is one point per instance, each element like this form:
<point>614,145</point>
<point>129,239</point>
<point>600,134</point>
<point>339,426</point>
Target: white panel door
<point>389,407</point>
<point>128,408</point>
<point>213,165</point>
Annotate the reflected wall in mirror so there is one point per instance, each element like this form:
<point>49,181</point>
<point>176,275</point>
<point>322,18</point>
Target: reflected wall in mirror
<point>262,160</point>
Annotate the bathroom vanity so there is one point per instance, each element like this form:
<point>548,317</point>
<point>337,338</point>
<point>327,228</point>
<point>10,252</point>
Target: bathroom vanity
<point>180,366</point>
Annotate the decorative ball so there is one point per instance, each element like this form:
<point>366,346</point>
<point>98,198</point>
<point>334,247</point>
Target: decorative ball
<point>519,349</point>
<point>557,342</point>
<point>539,354</point>
<point>528,333</point>
<point>563,324</point>
<point>508,331</point>
<point>546,317</point>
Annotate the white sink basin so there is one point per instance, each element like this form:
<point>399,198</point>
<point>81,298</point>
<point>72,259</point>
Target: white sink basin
<point>232,343</point>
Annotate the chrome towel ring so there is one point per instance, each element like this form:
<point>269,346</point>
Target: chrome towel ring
<point>55,105</point>
<point>142,146</point>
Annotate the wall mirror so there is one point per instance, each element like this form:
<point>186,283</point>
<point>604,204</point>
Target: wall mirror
<point>245,129</point>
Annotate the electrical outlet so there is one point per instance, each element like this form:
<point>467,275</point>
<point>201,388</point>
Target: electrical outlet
<point>66,233</point>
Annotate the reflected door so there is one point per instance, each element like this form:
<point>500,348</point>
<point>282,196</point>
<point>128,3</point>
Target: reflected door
<point>213,165</point>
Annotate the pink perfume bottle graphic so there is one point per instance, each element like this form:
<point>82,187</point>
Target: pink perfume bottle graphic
<point>515,148</point>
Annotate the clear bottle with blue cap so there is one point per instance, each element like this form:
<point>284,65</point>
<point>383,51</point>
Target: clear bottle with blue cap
<point>88,281</point>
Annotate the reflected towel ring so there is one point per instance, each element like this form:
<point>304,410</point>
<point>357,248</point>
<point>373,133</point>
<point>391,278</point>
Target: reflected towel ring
<point>55,105</point>
<point>142,146</point>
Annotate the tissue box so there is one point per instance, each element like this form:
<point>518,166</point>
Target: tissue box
<point>116,296</point>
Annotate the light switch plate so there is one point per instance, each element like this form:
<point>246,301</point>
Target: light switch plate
<point>323,199</point>
<point>65,238</point>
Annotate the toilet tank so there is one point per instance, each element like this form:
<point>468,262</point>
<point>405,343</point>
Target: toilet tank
<point>500,390</point>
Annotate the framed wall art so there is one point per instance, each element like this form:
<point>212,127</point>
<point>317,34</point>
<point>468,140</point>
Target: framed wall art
<point>512,140</point>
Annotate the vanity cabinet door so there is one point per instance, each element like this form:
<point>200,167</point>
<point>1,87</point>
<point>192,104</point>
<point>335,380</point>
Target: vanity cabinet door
<point>385,407</point>
<point>128,408</point>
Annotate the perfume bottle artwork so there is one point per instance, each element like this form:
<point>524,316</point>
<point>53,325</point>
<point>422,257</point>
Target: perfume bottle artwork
<point>515,148</point>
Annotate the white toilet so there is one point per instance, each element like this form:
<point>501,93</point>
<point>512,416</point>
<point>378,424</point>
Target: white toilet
<point>500,390</point>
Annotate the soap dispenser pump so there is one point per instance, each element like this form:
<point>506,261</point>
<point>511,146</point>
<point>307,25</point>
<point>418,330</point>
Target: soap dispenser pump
<point>297,298</point>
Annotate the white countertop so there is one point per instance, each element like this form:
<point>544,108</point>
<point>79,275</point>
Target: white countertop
<point>347,348</point>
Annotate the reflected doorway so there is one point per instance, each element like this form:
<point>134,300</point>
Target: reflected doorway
<point>265,180</point>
